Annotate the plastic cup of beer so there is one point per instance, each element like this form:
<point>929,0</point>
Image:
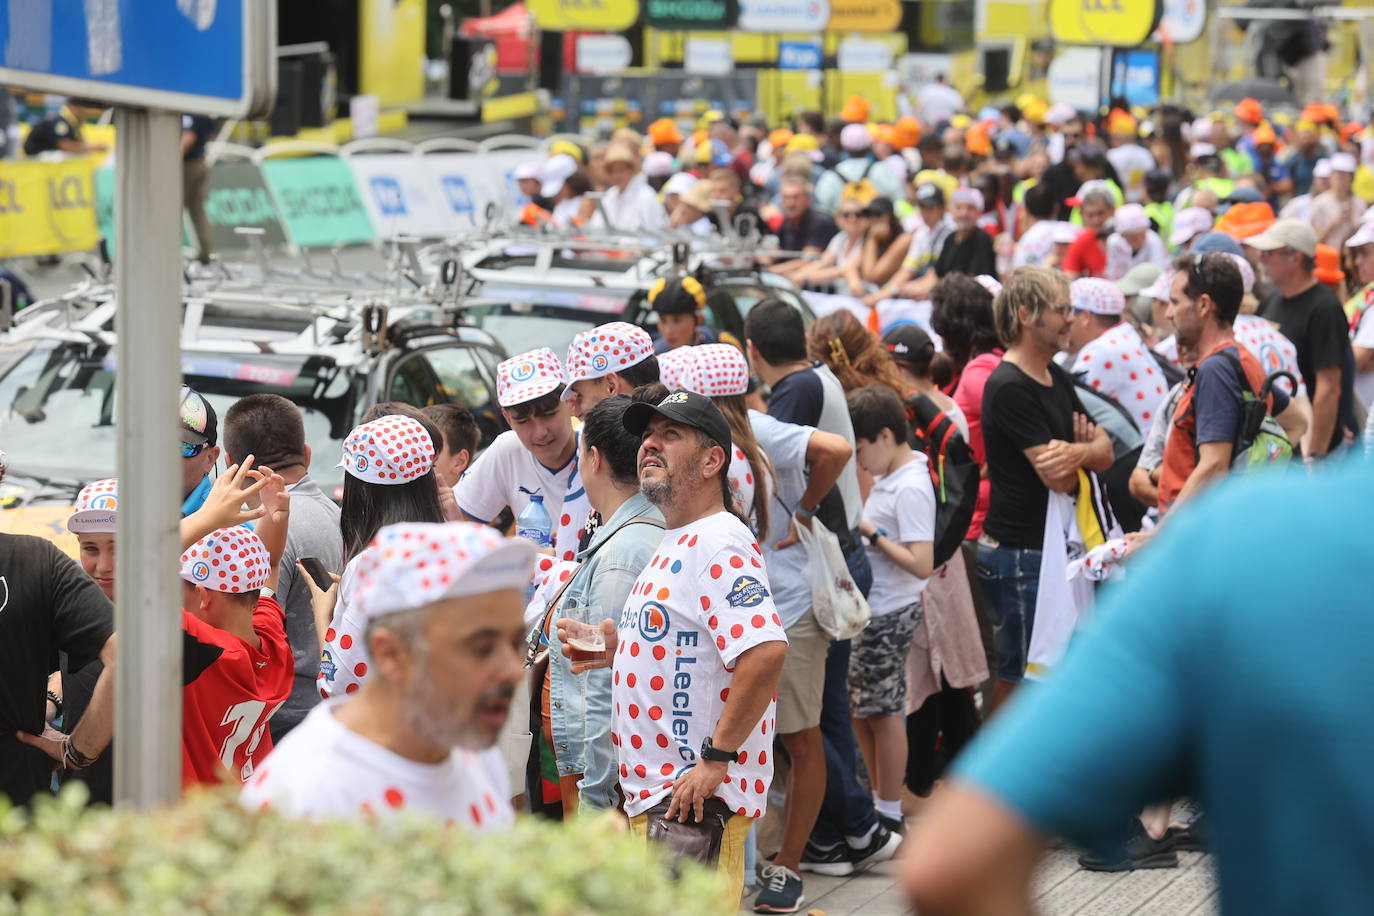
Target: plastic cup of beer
<point>586,643</point>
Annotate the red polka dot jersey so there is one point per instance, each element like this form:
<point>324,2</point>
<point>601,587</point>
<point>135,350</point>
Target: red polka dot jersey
<point>1118,365</point>
<point>702,601</point>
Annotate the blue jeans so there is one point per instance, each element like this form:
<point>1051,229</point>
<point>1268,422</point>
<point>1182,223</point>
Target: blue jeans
<point>1010,579</point>
<point>847,809</point>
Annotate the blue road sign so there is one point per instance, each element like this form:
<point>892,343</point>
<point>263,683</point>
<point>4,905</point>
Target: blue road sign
<point>208,56</point>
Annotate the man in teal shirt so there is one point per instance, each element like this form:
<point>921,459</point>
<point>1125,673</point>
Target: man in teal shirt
<point>199,431</point>
<point>1232,664</point>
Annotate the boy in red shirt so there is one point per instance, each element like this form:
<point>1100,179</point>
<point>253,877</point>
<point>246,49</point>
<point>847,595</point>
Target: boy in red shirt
<point>237,666</point>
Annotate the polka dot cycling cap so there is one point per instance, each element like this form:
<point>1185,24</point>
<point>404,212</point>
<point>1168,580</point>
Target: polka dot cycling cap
<point>528,376</point>
<point>714,370</point>
<point>389,450</point>
<point>97,508</point>
<point>1101,297</point>
<point>413,564</point>
<point>232,560</point>
<point>606,349</point>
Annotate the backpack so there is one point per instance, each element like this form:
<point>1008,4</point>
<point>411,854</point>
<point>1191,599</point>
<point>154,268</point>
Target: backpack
<point>862,188</point>
<point>1260,440</point>
<point>953,473</point>
<point>1127,442</point>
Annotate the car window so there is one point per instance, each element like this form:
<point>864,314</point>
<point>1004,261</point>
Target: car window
<point>529,327</point>
<point>450,375</point>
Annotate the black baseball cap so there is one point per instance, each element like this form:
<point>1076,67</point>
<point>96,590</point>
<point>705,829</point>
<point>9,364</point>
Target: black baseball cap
<point>909,344</point>
<point>685,407</point>
<point>930,195</point>
<point>199,424</point>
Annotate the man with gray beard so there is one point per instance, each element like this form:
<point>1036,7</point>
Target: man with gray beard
<point>445,640</point>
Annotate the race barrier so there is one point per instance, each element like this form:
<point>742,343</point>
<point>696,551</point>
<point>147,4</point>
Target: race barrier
<point>47,207</point>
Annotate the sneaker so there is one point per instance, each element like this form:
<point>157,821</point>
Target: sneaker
<point>835,861</point>
<point>881,847</point>
<point>1140,851</point>
<point>1191,838</point>
<point>782,890</point>
<point>896,825</point>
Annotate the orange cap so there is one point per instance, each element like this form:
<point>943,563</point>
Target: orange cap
<point>1121,123</point>
<point>855,110</point>
<point>664,130</point>
<point>1245,220</point>
<point>1250,111</point>
<point>885,133</point>
<point>697,137</point>
<point>977,140</point>
<point>1265,134</point>
<point>1328,265</point>
<point>779,138</point>
<point>908,130</point>
<point>1350,130</point>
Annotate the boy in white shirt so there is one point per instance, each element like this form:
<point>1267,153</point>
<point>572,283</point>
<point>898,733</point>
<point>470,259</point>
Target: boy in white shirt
<point>899,524</point>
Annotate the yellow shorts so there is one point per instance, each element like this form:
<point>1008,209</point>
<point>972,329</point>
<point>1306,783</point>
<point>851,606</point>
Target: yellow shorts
<point>731,863</point>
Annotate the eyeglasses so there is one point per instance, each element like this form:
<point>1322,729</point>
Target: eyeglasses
<point>190,451</point>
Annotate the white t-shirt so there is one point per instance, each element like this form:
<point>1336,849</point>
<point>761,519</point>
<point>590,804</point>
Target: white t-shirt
<point>701,602</point>
<point>1117,365</point>
<point>636,207</point>
<point>494,480</point>
<point>323,771</point>
<point>565,212</point>
<point>1120,257</point>
<point>1035,245</point>
<point>785,445</point>
<point>937,102</point>
<point>1364,337</point>
<point>902,504</point>
<point>835,419</point>
<point>1131,162</point>
<point>844,248</point>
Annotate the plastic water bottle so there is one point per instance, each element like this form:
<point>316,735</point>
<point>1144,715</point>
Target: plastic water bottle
<point>534,524</point>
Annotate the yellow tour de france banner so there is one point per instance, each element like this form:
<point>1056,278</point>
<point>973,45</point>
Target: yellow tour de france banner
<point>392,39</point>
<point>47,207</point>
<point>1111,23</point>
<point>584,15</point>
<point>864,15</point>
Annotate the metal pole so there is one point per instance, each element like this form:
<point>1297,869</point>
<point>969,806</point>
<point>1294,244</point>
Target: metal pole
<point>147,765</point>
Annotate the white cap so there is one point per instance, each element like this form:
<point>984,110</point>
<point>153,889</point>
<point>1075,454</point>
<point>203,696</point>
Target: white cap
<point>1247,273</point>
<point>526,171</point>
<point>1060,114</point>
<point>658,165</point>
<point>1160,289</point>
<point>855,137</point>
<point>1198,150</point>
<point>1065,233</point>
<point>1132,218</point>
<point>1322,169</point>
<point>1190,222</point>
<point>554,172</point>
<point>1093,294</point>
<point>1363,236</point>
<point>1343,162</point>
<point>679,184</point>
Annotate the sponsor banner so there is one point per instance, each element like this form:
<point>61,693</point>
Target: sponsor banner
<point>1104,23</point>
<point>104,205</point>
<point>1135,77</point>
<point>1183,21</point>
<point>400,197</point>
<point>391,42</point>
<point>603,55</point>
<point>47,207</point>
<point>318,201</point>
<point>783,15</point>
<point>584,15</point>
<point>238,196</point>
<point>800,55</point>
<point>1075,78</point>
<point>467,182</point>
<point>857,54</point>
<point>708,56</point>
<point>708,15</point>
<point>864,15</point>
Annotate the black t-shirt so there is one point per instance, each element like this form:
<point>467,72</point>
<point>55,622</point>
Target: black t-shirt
<point>972,256</point>
<point>203,128</point>
<point>1316,323</point>
<point>47,605</point>
<point>1020,413</point>
<point>44,135</point>
<point>798,398</point>
<point>813,230</point>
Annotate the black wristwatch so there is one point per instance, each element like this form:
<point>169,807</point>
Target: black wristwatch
<point>873,538</point>
<point>710,752</point>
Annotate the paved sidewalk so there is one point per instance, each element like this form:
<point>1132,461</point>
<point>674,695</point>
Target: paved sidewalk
<point>1062,889</point>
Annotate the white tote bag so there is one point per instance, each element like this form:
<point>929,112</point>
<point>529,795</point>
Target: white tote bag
<point>839,606</point>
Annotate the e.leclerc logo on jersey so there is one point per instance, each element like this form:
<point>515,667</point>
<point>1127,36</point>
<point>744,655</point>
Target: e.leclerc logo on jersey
<point>746,592</point>
<point>653,621</point>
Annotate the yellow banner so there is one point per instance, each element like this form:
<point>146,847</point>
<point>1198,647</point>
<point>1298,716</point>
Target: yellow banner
<point>584,15</point>
<point>1113,23</point>
<point>864,15</point>
<point>47,207</point>
<point>391,36</point>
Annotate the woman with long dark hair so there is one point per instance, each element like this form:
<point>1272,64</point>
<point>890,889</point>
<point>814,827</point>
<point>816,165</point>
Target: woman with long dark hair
<point>388,478</point>
<point>885,243</point>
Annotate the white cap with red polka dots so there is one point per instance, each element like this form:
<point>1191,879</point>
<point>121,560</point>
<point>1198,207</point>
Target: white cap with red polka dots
<point>414,564</point>
<point>528,376</point>
<point>232,560</point>
<point>389,450</point>
<point>97,508</point>
<point>714,370</point>
<point>606,349</point>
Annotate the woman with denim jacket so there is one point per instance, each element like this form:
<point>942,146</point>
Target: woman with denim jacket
<point>577,709</point>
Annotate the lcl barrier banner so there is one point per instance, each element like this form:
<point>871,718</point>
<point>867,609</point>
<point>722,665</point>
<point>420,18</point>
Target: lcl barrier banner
<point>47,207</point>
<point>467,182</point>
<point>401,197</point>
<point>318,201</point>
<point>238,196</point>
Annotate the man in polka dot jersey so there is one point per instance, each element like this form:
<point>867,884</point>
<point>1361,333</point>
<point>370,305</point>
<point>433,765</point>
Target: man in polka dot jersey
<point>446,645</point>
<point>698,646</point>
<point>1111,356</point>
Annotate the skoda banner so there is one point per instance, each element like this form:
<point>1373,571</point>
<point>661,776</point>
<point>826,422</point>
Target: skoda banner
<point>318,200</point>
<point>399,196</point>
<point>238,196</point>
<point>712,15</point>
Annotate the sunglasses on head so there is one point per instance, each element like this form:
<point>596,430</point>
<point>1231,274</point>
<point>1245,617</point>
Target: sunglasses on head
<point>190,451</point>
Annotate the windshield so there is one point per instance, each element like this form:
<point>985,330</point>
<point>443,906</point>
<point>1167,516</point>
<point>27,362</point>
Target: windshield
<point>528,327</point>
<point>57,404</point>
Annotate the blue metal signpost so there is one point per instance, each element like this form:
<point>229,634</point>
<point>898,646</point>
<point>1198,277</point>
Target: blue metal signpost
<point>155,60</point>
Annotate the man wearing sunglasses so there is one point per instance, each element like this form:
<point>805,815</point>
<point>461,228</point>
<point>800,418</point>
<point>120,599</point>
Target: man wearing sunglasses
<point>199,430</point>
